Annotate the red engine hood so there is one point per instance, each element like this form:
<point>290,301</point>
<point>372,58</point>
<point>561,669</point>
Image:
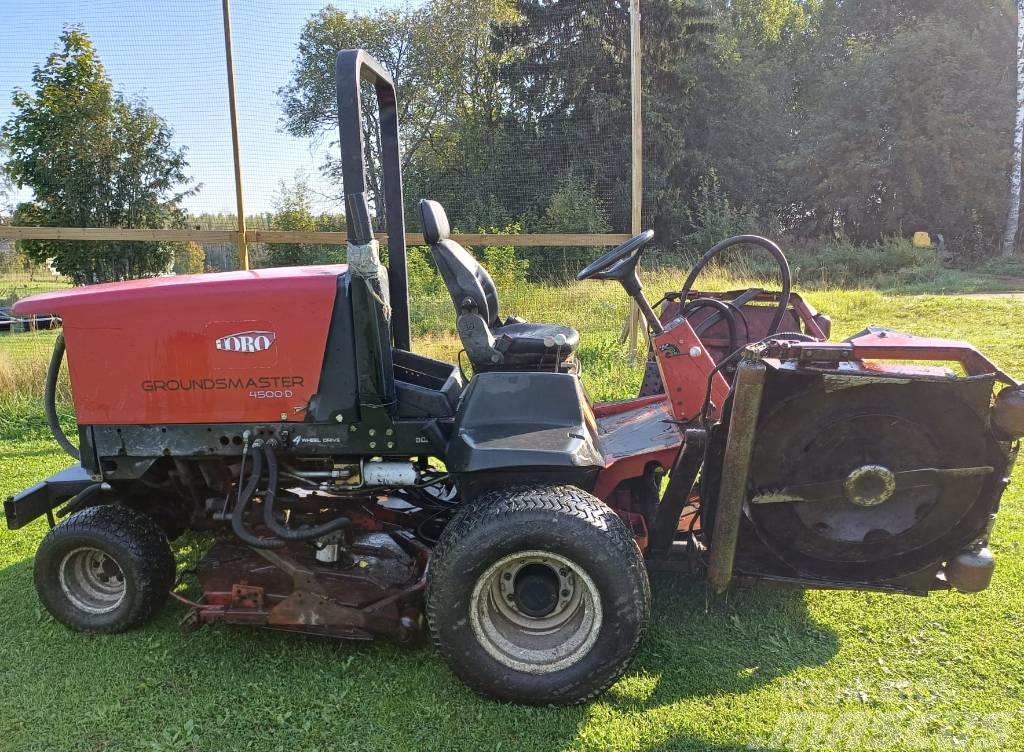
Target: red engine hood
<point>226,285</point>
<point>237,347</point>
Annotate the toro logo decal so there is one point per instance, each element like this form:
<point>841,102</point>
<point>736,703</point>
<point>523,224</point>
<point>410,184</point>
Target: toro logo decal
<point>246,342</point>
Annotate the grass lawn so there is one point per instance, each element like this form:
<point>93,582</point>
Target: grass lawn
<point>757,669</point>
<point>14,286</point>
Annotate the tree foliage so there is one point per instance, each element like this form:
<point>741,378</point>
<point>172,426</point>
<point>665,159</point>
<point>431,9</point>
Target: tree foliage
<point>437,54</point>
<point>189,258</point>
<point>810,117</point>
<point>294,211</point>
<point>92,159</point>
<point>906,110</point>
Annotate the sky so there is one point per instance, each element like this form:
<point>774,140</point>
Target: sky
<point>171,52</point>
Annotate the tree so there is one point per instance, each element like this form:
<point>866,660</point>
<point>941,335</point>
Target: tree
<point>435,54</point>
<point>767,19</point>
<point>1013,218</point>
<point>902,111</point>
<point>573,209</point>
<point>568,75</point>
<point>6,185</point>
<point>93,159</point>
<point>189,258</point>
<point>293,210</point>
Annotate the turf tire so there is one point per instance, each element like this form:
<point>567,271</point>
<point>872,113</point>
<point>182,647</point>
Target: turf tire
<point>137,545</point>
<point>567,522</point>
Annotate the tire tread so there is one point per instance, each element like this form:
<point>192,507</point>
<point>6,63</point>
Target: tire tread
<point>146,545</point>
<point>561,500</point>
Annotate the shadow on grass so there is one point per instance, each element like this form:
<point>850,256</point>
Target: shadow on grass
<point>286,687</point>
<point>701,645</point>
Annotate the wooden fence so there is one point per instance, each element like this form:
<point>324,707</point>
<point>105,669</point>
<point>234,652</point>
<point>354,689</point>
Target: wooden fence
<point>289,236</point>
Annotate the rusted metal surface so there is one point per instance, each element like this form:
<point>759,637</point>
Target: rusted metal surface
<point>887,345</point>
<point>739,447</point>
<point>376,591</point>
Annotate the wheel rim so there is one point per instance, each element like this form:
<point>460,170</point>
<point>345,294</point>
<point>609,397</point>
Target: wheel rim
<point>92,580</point>
<point>536,611</point>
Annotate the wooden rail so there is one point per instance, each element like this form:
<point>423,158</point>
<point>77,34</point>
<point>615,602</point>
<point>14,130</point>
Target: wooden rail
<point>288,236</point>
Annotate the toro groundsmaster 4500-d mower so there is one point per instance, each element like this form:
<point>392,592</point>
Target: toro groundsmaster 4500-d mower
<point>355,489</point>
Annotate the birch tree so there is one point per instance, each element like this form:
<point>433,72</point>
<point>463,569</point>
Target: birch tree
<point>1012,219</point>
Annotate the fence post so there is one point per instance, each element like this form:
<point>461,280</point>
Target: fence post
<point>243,248</point>
<point>633,323</point>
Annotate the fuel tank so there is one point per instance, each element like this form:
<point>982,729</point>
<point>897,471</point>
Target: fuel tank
<point>244,346</point>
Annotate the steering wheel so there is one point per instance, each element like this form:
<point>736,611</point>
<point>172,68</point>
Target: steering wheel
<point>757,240</point>
<point>630,249</point>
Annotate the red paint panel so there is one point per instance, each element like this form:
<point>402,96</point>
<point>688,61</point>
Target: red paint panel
<point>146,351</point>
<point>630,439</point>
<point>685,364</point>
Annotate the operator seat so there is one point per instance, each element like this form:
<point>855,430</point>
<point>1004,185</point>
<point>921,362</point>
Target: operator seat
<point>490,343</point>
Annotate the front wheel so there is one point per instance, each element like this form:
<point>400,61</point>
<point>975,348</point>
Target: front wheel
<point>538,595</point>
<point>104,569</point>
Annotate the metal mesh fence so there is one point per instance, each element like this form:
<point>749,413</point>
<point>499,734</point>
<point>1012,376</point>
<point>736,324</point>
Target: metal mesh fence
<point>485,117</point>
<point>115,115</point>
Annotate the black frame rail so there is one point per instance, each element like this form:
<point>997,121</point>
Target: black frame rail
<point>351,69</point>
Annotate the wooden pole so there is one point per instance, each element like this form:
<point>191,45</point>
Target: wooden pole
<point>637,121</point>
<point>637,142</point>
<point>243,248</point>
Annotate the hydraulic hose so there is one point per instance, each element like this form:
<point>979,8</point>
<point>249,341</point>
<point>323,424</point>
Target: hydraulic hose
<point>79,500</point>
<point>770,247</point>
<point>50,400</point>
<point>242,505</point>
<point>303,533</point>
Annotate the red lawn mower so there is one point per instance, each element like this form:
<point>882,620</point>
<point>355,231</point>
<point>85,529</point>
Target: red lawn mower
<point>353,488</point>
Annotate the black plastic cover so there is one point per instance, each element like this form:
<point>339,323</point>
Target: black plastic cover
<point>34,502</point>
<point>338,392</point>
<point>511,420</point>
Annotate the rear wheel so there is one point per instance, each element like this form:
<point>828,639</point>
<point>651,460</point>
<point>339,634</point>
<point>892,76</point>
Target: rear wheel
<point>104,569</point>
<point>538,595</point>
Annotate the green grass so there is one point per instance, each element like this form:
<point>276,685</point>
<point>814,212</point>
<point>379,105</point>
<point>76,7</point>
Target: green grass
<point>21,284</point>
<point>745,671</point>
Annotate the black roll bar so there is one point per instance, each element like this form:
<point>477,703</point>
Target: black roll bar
<point>352,68</point>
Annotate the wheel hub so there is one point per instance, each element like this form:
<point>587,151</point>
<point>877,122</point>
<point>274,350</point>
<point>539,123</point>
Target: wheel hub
<point>536,590</point>
<point>870,485</point>
<point>536,611</point>
<point>92,580</point>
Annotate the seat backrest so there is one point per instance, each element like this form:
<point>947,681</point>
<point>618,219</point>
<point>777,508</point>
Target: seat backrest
<point>468,283</point>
